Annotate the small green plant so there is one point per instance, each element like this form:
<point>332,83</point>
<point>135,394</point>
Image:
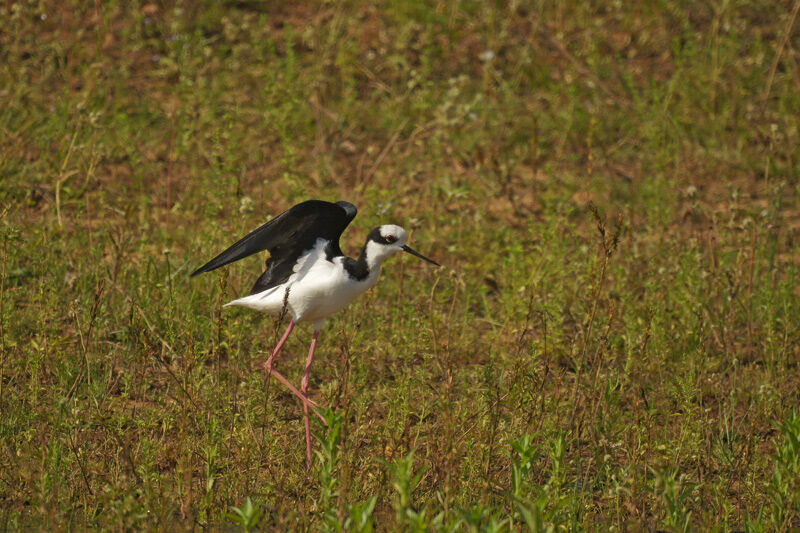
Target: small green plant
<point>521,466</point>
<point>532,513</point>
<point>757,524</point>
<point>542,508</point>
<point>360,519</point>
<point>784,487</point>
<point>673,491</point>
<point>329,460</point>
<point>247,517</point>
<point>480,519</point>
<point>404,482</point>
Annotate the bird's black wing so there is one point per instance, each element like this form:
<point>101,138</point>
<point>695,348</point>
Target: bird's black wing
<point>286,237</point>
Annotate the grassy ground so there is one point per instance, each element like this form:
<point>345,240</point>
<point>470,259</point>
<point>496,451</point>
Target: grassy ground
<point>613,190</point>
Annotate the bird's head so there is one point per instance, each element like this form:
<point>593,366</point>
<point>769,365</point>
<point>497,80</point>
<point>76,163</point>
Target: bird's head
<point>387,240</point>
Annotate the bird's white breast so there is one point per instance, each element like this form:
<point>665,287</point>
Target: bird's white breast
<point>317,288</point>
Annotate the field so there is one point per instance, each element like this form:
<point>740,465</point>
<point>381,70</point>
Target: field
<point>613,188</point>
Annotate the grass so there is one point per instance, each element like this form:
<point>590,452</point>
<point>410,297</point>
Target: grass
<point>613,191</point>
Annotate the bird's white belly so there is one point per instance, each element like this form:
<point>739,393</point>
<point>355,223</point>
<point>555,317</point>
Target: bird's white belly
<point>316,290</point>
<point>314,301</point>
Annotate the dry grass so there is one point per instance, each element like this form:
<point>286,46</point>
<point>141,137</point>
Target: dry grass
<point>613,190</point>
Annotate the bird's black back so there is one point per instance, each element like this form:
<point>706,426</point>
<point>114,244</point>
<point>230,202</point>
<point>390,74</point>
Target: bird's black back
<point>287,237</point>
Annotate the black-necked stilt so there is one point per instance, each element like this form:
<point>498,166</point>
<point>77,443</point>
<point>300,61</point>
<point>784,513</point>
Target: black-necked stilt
<point>308,276</point>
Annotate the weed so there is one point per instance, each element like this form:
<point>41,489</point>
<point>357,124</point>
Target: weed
<point>784,487</point>
<point>247,517</point>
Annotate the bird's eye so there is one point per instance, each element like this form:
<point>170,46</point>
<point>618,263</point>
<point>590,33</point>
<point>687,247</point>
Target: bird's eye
<point>390,238</point>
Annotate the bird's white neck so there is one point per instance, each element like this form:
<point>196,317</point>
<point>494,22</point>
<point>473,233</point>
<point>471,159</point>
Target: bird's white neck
<point>374,255</point>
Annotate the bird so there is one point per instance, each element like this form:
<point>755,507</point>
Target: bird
<point>308,276</point>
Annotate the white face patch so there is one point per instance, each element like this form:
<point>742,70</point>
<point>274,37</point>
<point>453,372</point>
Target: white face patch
<point>378,252</point>
<point>392,230</point>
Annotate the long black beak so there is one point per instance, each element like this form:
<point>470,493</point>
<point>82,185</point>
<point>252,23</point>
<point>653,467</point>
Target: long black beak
<point>414,252</point>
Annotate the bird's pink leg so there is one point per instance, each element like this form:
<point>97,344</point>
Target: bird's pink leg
<point>304,389</point>
<point>268,365</point>
<point>278,348</point>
